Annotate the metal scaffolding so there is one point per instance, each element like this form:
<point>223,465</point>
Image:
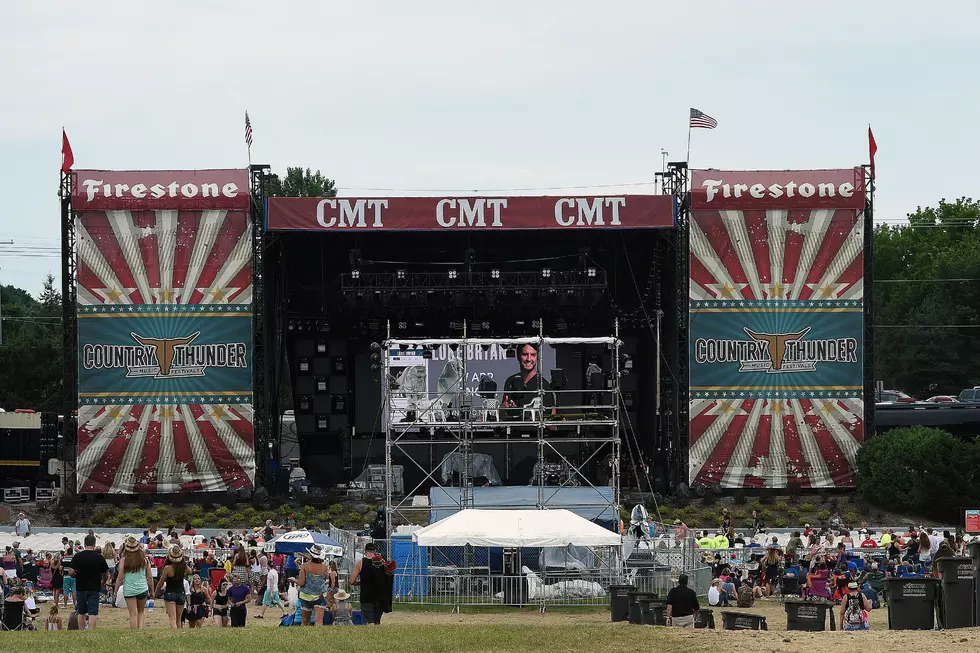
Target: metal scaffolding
<point>459,417</point>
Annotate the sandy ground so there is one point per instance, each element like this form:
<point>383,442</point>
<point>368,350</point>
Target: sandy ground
<point>776,639</point>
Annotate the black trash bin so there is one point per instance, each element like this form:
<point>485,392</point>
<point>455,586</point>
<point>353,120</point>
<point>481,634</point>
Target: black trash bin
<point>956,598</point>
<point>974,549</point>
<point>619,605</point>
<point>703,618</point>
<point>742,621</point>
<point>807,615</point>
<point>635,616</point>
<point>911,603</point>
<point>653,611</point>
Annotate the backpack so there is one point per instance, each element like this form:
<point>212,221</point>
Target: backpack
<point>73,621</point>
<point>745,597</point>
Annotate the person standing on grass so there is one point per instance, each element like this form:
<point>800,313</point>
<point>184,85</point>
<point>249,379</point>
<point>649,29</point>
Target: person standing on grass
<point>364,574</point>
<point>239,595</point>
<point>135,578</point>
<point>171,580</point>
<point>219,604</point>
<point>271,597</point>
<point>682,604</point>
<point>91,570</point>
<point>312,583</point>
<point>197,603</point>
<point>22,527</point>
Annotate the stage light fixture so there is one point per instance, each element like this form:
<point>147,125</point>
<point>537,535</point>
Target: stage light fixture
<point>355,274</point>
<point>511,352</point>
<point>400,274</point>
<point>519,323</point>
<point>403,346</point>
<point>402,326</point>
<point>454,346</point>
<point>546,273</point>
<point>419,325</point>
<point>590,272</point>
<point>453,274</point>
<point>291,326</point>
<point>427,353</point>
<point>494,273</point>
<point>321,347</point>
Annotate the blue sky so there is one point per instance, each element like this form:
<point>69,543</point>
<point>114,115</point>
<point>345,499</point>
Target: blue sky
<point>443,96</point>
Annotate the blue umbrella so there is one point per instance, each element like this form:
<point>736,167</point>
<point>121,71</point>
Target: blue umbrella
<point>301,541</point>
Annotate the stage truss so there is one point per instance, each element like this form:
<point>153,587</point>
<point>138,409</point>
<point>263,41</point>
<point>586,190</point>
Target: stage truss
<point>461,423</point>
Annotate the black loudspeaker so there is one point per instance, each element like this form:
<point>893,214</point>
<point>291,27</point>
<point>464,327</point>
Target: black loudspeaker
<point>260,497</point>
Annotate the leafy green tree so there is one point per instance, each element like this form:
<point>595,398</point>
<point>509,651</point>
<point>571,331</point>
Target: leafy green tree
<point>298,182</point>
<point>31,353</point>
<point>927,299</point>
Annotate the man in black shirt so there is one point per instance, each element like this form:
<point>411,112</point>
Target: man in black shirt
<point>90,571</point>
<point>522,388</point>
<point>682,603</point>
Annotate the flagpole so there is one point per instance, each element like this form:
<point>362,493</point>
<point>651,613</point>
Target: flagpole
<point>689,141</point>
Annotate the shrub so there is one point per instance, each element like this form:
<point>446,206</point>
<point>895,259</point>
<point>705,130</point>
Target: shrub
<point>808,507</point>
<point>250,513</point>
<point>740,515</point>
<point>222,511</point>
<point>356,518</point>
<point>285,510</point>
<point>793,515</point>
<point>766,516</point>
<point>309,509</point>
<point>224,523</point>
<point>780,523</point>
<point>780,506</point>
<point>824,515</point>
<point>113,522</point>
<point>196,512</point>
<point>851,518</point>
<point>920,470</point>
<point>755,506</point>
<point>335,509</point>
<point>141,522</point>
<point>323,518</point>
<point>136,513</point>
<point>740,498</point>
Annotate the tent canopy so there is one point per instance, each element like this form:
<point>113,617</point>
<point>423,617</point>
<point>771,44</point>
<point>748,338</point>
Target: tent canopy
<point>515,528</point>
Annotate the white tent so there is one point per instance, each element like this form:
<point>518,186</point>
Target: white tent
<point>515,528</point>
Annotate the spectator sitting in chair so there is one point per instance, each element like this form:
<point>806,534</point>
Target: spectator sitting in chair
<point>868,542</point>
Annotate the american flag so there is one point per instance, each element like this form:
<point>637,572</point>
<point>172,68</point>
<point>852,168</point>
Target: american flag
<point>702,120</point>
<point>248,130</point>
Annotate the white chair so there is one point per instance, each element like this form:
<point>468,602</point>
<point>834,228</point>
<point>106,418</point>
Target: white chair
<point>431,410</point>
<point>491,412</point>
<point>533,409</point>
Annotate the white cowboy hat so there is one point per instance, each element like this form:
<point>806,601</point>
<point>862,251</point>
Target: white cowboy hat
<point>341,595</point>
<point>317,552</point>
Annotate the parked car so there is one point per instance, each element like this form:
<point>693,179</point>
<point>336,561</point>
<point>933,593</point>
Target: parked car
<point>970,396</point>
<point>894,397</point>
<point>942,399</point>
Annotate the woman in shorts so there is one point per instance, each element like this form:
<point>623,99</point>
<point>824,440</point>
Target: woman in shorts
<point>219,605</point>
<point>171,581</point>
<point>135,578</point>
<point>312,584</point>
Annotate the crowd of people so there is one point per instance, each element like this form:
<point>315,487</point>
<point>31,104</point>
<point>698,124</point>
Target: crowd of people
<point>832,563</point>
<point>215,579</point>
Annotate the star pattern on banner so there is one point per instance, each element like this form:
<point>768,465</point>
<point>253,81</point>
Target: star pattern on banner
<point>777,394</point>
<point>778,303</point>
<point>163,308</point>
<point>242,398</point>
<point>827,290</point>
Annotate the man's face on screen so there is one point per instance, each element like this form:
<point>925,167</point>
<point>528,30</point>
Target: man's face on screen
<point>529,358</point>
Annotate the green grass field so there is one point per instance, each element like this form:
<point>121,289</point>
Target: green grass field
<point>422,638</point>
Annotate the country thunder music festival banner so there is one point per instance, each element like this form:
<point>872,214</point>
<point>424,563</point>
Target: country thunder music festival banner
<point>164,284</point>
<point>776,327</point>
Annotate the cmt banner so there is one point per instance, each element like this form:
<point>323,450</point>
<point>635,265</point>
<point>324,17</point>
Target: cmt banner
<point>500,213</point>
<point>776,327</point>
<point>164,283</point>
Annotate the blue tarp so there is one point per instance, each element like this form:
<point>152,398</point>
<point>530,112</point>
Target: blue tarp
<point>592,503</point>
<point>412,572</point>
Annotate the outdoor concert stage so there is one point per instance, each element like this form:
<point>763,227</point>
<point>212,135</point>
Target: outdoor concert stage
<point>338,291</point>
<point>720,330</point>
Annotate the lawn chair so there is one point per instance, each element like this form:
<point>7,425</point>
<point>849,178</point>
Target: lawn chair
<point>16,616</point>
<point>44,579</point>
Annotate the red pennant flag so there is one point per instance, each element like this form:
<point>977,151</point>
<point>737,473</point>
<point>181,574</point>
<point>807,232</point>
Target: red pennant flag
<point>872,148</point>
<point>67,158</point>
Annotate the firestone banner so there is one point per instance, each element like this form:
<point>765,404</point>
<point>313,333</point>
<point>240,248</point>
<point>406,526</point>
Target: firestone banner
<point>776,308</point>
<point>164,287</point>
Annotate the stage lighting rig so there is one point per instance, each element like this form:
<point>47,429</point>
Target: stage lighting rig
<point>375,356</point>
